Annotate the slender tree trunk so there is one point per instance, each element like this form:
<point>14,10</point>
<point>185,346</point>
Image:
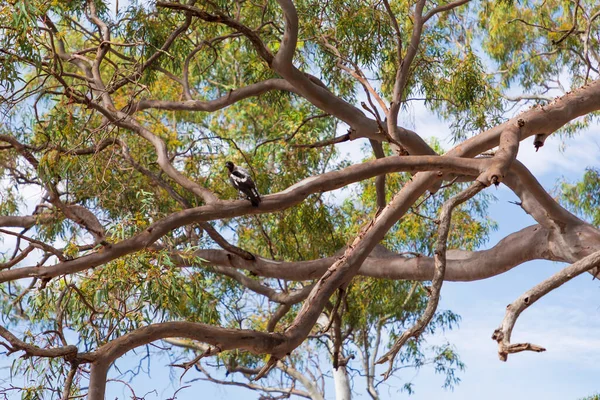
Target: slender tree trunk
<point>98,376</point>
<point>342,383</point>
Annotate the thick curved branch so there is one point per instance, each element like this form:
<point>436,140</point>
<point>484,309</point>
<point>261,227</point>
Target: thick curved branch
<point>530,243</point>
<point>287,48</point>
<point>317,94</point>
<point>221,338</point>
<point>230,98</point>
<point>545,119</point>
<point>14,221</point>
<point>229,209</point>
<point>346,267</point>
<point>503,333</point>
<point>536,201</point>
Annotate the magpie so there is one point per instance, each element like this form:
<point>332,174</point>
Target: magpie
<point>242,181</point>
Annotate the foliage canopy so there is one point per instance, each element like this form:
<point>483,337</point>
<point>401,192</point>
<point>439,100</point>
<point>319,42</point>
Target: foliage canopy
<point>121,227</point>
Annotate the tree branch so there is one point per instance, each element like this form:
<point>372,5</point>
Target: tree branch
<point>15,344</point>
<point>230,98</point>
<point>462,266</point>
<point>228,209</point>
<point>503,333</point>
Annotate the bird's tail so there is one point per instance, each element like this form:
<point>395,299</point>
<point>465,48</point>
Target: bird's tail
<point>254,197</point>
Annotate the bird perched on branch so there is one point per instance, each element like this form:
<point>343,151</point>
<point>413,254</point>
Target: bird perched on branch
<point>242,181</point>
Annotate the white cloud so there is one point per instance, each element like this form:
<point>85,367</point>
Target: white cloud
<point>579,152</point>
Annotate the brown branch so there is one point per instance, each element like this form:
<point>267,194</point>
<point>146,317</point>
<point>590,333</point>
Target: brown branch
<point>380,180</point>
<point>221,338</point>
<point>311,89</point>
<point>17,258</point>
<point>15,221</point>
<point>503,333</point>
<point>224,19</point>
<point>74,212</point>
<point>15,344</point>
<point>309,384</point>
<point>230,98</point>
<point>98,85</point>
<point>539,119</point>
<point>220,240</point>
<point>288,138</point>
<point>36,243</point>
<point>528,244</point>
<point>212,232</point>
<point>257,287</point>
<point>396,27</point>
<point>210,351</point>
<point>536,201</point>
<point>438,278</point>
<point>20,148</point>
<point>408,139</point>
<point>66,394</point>
<point>405,62</point>
<point>155,56</point>
<point>346,267</point>
<point>571,30</point>
<point>357,74</point>
<point>540,97</point>
<point>254,386</point>
<point>504,157</point>
<point>101,145</point>
<point>443,8</point>
<point>123,120</point>
<point>328,142</point>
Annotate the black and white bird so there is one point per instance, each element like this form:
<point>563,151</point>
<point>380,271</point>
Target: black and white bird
<point>242,181</point>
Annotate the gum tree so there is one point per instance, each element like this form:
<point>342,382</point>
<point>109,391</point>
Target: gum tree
<point>117,123</point>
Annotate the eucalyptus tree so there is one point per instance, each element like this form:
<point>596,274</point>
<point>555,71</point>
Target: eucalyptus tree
<point>124,230</point>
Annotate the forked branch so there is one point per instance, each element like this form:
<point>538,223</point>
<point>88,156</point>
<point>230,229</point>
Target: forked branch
<point>503,333</point>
